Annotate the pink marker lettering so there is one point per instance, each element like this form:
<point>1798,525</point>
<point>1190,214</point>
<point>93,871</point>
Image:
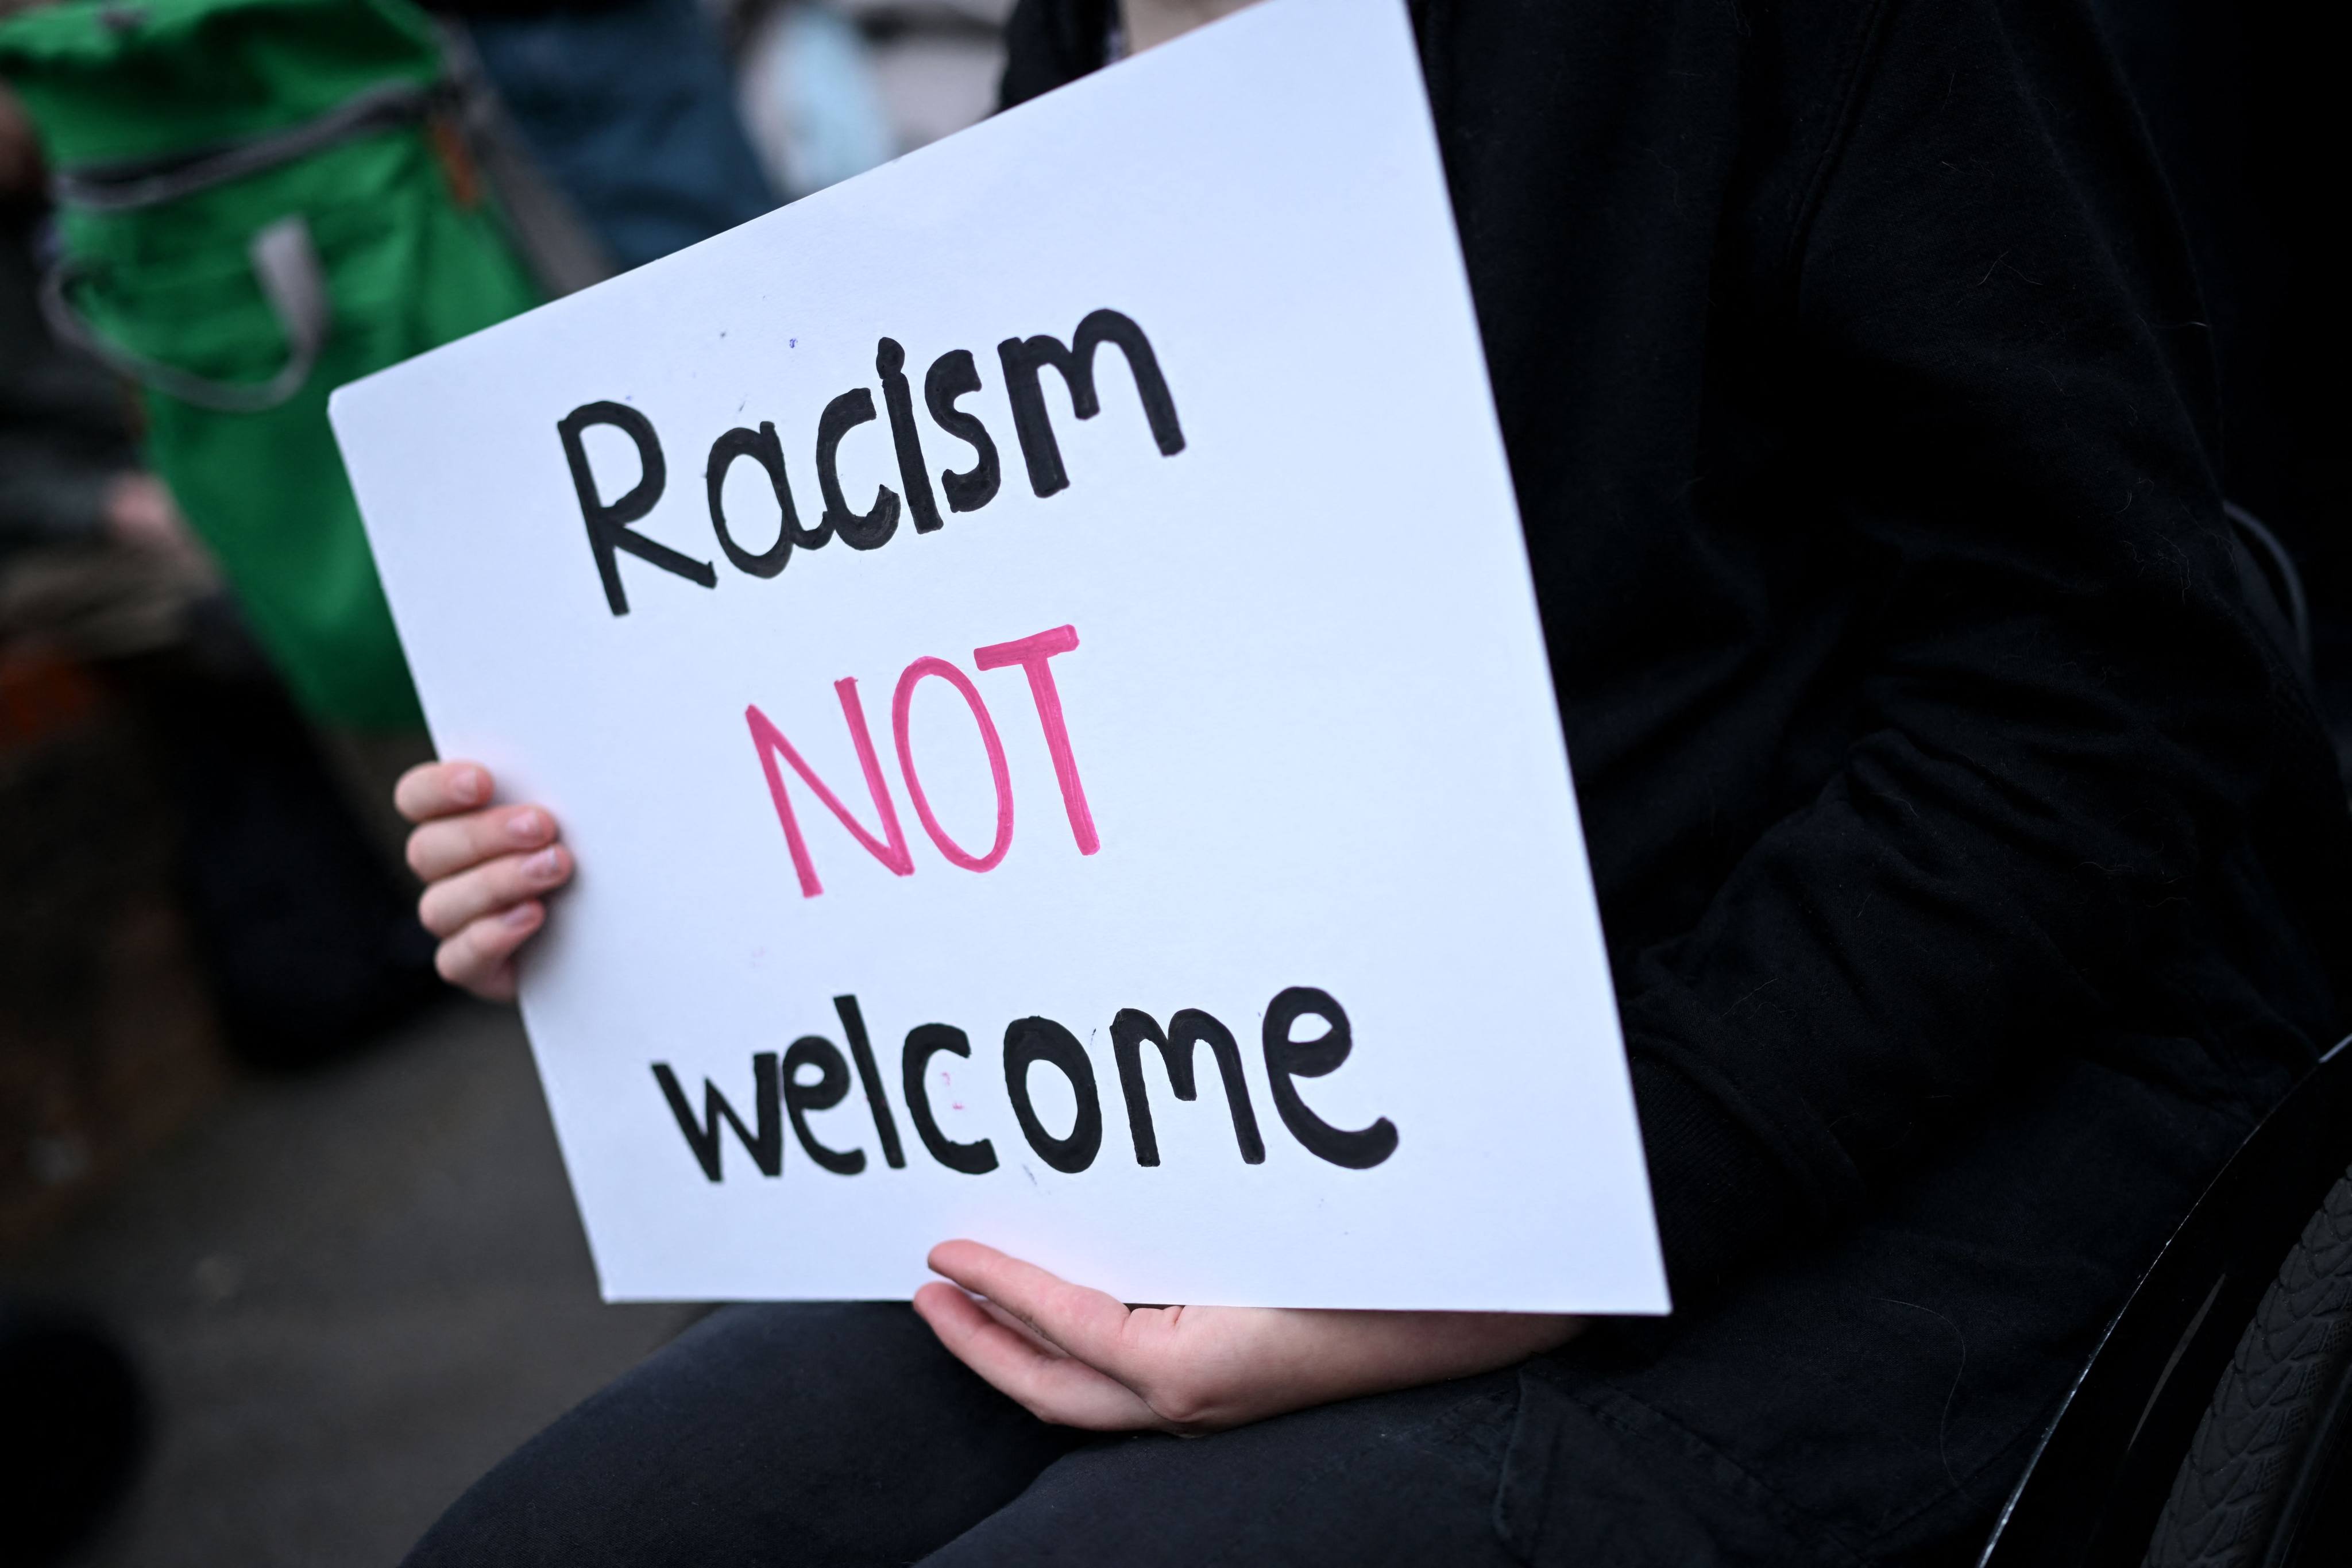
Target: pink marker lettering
<point>768,741</point>
<point>1031,654</point>
<point>901,708</point>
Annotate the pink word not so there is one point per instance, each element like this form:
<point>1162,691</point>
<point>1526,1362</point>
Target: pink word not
<point>1032,654</point>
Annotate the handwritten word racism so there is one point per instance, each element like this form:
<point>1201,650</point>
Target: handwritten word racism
<point>1032,655</point>
<point>951,377</point>
<point>811,1076</point>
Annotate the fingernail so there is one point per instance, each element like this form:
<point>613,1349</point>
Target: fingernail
<point>527,827</point>
<point>470,785</point>
<point>521,915</point>
<point>542,866</point>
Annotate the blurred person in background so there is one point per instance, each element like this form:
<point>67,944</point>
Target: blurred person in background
<point>309,945</point>
<point>305,936</point>
<point>832,88</point>
<point>93,557</point>
<point>629,107</point>
<point>566,141</point>
<point>94,551</point>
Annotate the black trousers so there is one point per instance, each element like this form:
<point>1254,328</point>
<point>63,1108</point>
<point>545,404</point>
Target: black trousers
<point>1867,1400</point>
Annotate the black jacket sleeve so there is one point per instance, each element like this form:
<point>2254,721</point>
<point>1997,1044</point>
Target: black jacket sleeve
<point>2068,730</point>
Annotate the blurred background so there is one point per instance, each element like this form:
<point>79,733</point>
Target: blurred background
<point>287,1253</point>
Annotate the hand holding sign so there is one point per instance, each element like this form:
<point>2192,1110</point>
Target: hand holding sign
<point>1080,1358</point>
<point>1035,652</point>
<point>486,868</point>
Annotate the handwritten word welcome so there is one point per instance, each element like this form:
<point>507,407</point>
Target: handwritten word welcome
<point>782,1091</point>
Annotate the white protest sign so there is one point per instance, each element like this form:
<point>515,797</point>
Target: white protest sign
<point>1034,651</point>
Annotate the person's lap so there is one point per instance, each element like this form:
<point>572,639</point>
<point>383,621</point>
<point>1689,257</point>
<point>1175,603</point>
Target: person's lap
<point>1407,1478</point>
<point>805,1433</point>
<point>1865,1400</point>
<point>844,1433</point>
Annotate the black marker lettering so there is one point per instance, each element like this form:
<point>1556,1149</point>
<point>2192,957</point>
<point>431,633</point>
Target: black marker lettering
<point>1032,1040</point>
<point>885,1127</point>
<point>950,376</point>
<point>822,1092</point>
<point>766,1146</point>
<point>859,531</point>
<point>1023,358</point>
<point>975,1159</point>
<point>1287,1059</point>
<point>889,362</point>
<point>762,448</point>
<point>1188,1028</point>
<point>608,525</point>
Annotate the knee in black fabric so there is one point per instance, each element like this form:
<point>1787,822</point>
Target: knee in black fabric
<point>806,1434</point>
<point>1576,1492</point>
<point>1406,1478</point>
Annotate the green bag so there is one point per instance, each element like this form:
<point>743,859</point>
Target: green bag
<point>259,200</point>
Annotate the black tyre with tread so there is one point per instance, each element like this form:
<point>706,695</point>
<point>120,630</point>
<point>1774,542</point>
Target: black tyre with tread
<point>2267,1482</point>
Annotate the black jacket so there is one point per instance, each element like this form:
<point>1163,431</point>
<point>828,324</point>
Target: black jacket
<point>1852,379</point>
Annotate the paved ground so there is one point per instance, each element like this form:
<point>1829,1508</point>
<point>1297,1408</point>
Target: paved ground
<point>352,1292</point>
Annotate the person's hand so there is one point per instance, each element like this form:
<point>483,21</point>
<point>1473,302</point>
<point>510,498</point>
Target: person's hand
<point>1078,1358</point>
<point>486,868</point>
<point>141,515</point>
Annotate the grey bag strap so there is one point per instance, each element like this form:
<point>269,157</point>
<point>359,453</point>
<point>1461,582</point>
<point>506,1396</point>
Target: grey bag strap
<point>146,183</point>
<point>285,260</point>
<point>286,265</point>
<point>555,243</point>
